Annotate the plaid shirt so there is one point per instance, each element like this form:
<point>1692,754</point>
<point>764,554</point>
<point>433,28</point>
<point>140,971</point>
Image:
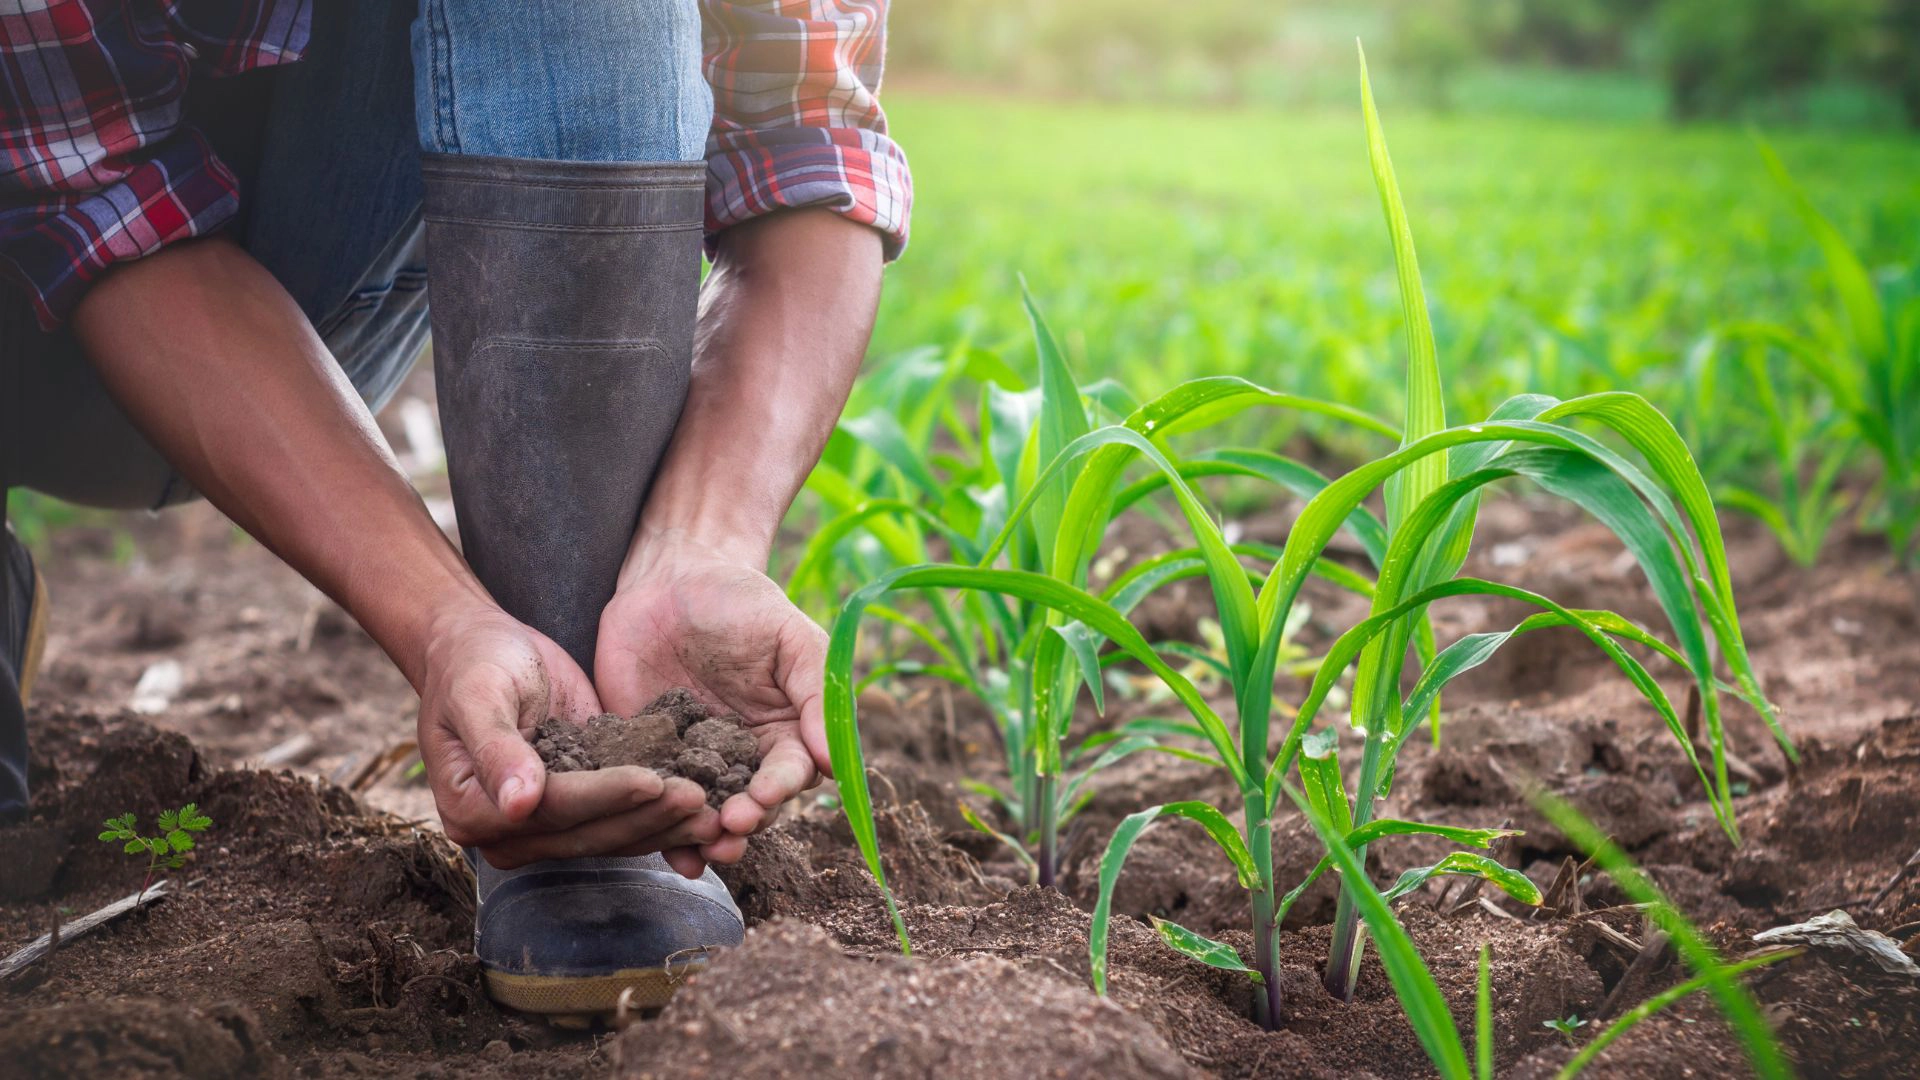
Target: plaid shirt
<point>97,165</point>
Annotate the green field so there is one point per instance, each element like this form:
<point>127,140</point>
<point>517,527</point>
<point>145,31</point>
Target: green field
<point>1559,256</point>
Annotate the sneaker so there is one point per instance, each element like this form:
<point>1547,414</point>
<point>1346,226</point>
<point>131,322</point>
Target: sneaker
<point>579,940</point>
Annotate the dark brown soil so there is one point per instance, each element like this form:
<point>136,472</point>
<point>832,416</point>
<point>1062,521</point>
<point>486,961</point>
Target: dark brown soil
<point>674,736</point>
<point>316,935</point>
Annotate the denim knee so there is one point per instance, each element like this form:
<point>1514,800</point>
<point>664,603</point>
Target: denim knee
<point>561,80</point>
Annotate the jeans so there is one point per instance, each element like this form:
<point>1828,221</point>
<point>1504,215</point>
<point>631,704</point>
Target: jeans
<point>327,153</point>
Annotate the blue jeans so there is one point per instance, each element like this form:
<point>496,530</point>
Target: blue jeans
<point>327,152</point>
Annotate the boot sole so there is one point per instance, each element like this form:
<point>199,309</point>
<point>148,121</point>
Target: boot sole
<point>36,638</point>
<point>579,1001</point>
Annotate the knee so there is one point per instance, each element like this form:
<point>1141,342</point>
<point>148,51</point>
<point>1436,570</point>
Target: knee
<point>579,80</point>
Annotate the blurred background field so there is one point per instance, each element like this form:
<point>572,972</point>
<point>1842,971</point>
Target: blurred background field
<point>1185,190</point>
<point>1186,193</point>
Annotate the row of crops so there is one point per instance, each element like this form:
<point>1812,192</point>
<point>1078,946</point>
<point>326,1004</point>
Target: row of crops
<point>963,513</point>
<point>1561,258</point>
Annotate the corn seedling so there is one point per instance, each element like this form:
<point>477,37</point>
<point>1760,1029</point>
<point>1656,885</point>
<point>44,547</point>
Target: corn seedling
<point>1426,1008</point>
<point>989,500</point>
<point>1432,485</point>
<point>1811,451</point>
<point>169,849</point>
<point>1865,353</point>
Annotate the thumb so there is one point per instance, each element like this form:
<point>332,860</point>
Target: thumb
<point>486,711</point>
<point>803,671</point>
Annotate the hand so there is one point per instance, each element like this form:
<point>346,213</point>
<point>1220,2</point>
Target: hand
<point>690,615</point>
<point>488,681</point>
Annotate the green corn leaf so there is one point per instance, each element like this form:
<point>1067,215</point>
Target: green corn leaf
<point>1413,984</point>
<point>843,736</point>
<point>1741,1011</point>
<point>988,791</point>
<point>1320,777</point>
<point>1483,1019</point>
<point>1585,484</point>
<point>1205,401</point>
<point>1143,726</point>
<point>1469,864</point>
<point>1349,644</point>
<point>1654,438</point>
<point>819,552</point>
<point>1866,317</point>
<point>1062,420</point>
<point>842,494</point>
<point>1083,645</point>
<point>1378,829</point>
<point>1204,949</point>
<point>1632,1017</point>
<point>1124,835</point>
<point>1019,850</point>
<point>1085,517</point>
<point>1301,480</point>
<point>1426,413</point>
<point>880,432</point>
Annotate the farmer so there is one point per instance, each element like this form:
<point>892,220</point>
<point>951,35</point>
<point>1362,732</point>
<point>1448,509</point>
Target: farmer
<point>222,222</point>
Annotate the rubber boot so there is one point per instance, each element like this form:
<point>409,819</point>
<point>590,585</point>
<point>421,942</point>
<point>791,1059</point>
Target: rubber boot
<point>563,298</point>
<point>23,637</point>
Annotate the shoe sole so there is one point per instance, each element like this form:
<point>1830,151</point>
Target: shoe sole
<point>36,638</point>
<point>579,1001</point>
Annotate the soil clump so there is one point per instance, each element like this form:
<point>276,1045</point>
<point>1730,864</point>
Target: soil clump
<point>674,736</point>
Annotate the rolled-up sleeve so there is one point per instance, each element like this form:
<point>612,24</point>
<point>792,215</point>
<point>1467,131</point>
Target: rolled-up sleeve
<point>97,163</point>
<point>797,117</point>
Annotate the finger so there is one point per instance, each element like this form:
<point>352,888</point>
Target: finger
<point>742,816</point>
<point>785,770</point>
<point>803,679</point>
<point>686,862</point>
<point>484,710</point>
<point>725,851</point>
<point>654,827</point>
<point>575,798</point>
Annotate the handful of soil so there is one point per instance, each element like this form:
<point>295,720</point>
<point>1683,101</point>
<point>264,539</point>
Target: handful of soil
<point>675,736</point>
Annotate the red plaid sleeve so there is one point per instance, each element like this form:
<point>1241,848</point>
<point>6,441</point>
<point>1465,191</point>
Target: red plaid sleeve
<point>796,120</point>
<point>97,165</point>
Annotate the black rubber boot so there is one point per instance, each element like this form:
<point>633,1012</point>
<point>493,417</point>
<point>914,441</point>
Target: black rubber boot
<point>563,299</point>
<point>23,636</point>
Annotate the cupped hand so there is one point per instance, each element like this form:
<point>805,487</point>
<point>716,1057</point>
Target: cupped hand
<point>690,616</point>
<point>489,680</point>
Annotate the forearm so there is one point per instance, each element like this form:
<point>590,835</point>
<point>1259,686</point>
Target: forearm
<point>784,321</point>
<point>220,370</point>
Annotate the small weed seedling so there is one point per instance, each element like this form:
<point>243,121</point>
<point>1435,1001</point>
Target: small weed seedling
<point>169,850</point>
<point>1567,1026</point>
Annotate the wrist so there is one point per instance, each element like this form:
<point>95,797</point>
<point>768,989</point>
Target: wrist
<point>414,638</point>
<point>659,545</point>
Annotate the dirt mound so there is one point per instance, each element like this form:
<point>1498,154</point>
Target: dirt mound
<point>674,736</point>
<point>306,936</point>
<point>137,1037</point>
<point>789,1003</point>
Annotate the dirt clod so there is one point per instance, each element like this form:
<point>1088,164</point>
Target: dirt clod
<point>674,736</point>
